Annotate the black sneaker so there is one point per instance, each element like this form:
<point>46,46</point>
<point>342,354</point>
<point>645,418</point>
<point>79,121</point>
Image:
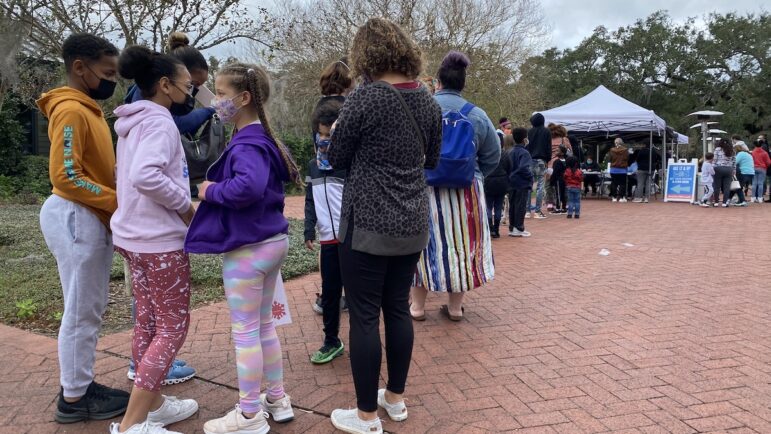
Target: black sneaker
<point>99,403</point>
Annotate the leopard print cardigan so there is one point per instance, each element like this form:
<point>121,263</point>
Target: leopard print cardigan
<point>385,200</point>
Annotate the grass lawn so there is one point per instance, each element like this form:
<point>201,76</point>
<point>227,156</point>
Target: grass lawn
<point>30,293</point>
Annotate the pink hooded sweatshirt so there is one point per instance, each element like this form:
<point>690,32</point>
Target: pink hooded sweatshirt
<point>152,180</point>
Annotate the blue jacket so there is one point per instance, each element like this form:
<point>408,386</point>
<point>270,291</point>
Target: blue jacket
<point>187,124</point>
<point>744,163</point>
<point>521,175</point>
<point>488,143</point>
<point>246,205</point>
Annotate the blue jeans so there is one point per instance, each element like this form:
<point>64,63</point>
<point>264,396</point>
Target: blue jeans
<point>758,183</point>
<point>495,207</point>
<point>574,201</point>
<point>539,169</point>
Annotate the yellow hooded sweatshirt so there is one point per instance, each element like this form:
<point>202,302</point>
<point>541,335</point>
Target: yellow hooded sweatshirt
<point>82,159</point>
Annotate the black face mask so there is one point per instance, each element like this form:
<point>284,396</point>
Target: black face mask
<point>105,89</point>
<point>181,109</point>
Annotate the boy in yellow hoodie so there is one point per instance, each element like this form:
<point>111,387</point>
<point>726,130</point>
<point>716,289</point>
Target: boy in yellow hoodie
<point>75,220</point>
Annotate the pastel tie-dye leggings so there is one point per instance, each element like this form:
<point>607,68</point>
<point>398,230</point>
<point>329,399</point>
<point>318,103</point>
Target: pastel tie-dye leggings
<point>161,287</point>
<point>250,275</point>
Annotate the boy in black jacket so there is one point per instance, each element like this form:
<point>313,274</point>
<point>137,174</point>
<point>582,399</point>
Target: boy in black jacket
<point>520,184</point>
<point>323,197</point>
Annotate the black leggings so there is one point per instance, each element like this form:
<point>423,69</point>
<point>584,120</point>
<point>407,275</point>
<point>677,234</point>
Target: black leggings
<point>373,283</point>
<point>618,185</point>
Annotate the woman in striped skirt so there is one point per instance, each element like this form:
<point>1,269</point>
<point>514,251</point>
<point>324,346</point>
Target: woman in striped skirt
<point>459,254</point>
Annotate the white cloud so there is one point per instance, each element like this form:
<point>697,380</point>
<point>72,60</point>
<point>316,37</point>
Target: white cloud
<point>573,20</point>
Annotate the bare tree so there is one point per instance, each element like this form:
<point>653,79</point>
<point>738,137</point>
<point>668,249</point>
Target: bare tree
<point>498,35</point>
<point>209,22</point>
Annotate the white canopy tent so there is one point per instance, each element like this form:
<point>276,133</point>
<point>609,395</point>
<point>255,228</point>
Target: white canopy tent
<point>603,111</point>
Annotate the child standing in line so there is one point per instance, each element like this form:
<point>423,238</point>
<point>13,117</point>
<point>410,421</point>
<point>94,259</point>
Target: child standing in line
<point>82,172</point>
<point>707,179</point>
<point>557,180</point>
<point>520,183</point>
<point>241,215</point>
<point>149,227</point>
<point>573,179</point>
<point>323,198</point>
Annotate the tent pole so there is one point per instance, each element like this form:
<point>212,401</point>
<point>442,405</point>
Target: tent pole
<point>663,175</point>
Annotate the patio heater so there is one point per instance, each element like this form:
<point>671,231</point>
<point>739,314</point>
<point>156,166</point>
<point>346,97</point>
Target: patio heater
<point>704,116</point>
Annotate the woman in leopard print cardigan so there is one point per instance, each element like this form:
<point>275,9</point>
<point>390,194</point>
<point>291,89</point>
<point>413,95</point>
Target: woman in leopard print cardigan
<point>384,222</point>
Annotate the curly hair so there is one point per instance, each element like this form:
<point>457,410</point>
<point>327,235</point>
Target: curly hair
<point>244,77</point>
<point>380,46</point>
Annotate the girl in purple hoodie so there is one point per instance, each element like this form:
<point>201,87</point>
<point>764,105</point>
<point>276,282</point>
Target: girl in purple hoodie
<point>149,229</point>
<point>242,216</point>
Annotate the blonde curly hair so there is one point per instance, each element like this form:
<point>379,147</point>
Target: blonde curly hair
<point>381,46</point>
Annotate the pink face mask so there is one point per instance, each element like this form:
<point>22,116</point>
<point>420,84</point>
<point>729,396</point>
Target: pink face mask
<point>226,109</point>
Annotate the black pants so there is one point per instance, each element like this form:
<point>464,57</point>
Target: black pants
<point>591,181</point>
<point>722,182</point>
<point>518,201</point>
<point>617,185</point>
<point>560,195</point>
<point>373,283</point>
<point>331,291</point>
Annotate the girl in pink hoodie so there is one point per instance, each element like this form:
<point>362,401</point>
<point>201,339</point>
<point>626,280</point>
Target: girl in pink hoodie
<point>149,227</point>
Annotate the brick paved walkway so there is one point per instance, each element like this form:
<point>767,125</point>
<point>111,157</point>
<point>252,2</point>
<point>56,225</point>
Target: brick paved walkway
<point>669,333</point>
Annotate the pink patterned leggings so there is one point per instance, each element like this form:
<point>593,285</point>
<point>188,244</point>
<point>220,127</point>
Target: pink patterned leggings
<point>161,286</point>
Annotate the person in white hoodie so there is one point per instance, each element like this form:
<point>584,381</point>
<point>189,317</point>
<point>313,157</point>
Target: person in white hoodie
<point>149,228</point>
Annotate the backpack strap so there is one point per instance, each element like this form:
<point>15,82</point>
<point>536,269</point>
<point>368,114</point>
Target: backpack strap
<point>466,109</point>
<point>406,108</point>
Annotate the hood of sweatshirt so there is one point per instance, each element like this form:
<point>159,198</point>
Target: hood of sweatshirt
<point>50,100</point>
<point>130,115</point>
<point>537,120</point>
<point>255,135</point>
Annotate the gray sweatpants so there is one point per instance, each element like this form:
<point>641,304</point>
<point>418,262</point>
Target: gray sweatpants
<point>83,250</point>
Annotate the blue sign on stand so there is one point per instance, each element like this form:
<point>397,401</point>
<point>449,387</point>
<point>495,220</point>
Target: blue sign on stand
<point>681,181</point>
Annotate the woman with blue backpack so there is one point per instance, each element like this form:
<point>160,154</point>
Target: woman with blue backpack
<point>459,254</point>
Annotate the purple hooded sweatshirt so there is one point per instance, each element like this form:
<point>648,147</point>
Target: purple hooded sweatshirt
<point>246,205</point>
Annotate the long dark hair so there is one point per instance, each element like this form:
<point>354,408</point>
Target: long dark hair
<point>725,145</point>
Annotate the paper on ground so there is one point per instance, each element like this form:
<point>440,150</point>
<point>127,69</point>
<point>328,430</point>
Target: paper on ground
<point>604,252</point>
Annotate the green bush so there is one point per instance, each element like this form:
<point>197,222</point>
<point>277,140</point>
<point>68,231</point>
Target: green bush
<point>12,134</point>
<point>302,151</point>
<point>30,185</point>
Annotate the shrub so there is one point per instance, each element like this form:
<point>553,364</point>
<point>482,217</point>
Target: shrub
<point>12,134</point>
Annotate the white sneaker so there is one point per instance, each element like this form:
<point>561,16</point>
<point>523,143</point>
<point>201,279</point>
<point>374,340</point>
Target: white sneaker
<point>235,423</point>
<point>145,427</point>
<point>519,234</point>
<point>281,410</point>
<point>173,410</point>
<point>623,200</point>
<point>397,412</point>
<point>645,200</point>
<point>348,421</point>
<point>527,215</point>
<point>637,201</point>
<point>615,200</point>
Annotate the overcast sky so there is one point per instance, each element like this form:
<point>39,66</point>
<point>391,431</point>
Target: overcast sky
<point>571,21</point>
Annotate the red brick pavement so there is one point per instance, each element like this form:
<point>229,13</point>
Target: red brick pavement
<point>669,333</point>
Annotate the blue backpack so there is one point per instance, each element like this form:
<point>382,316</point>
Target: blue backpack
<point>457,159</point>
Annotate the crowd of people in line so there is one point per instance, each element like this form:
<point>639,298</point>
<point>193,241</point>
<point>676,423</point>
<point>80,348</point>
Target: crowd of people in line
<point>406,190</point>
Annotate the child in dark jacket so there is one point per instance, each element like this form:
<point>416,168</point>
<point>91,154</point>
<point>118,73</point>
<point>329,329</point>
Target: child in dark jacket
<point>557,180</point>
<point>324,196</point>
<point>520,183</point>
<point>573,178</point>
